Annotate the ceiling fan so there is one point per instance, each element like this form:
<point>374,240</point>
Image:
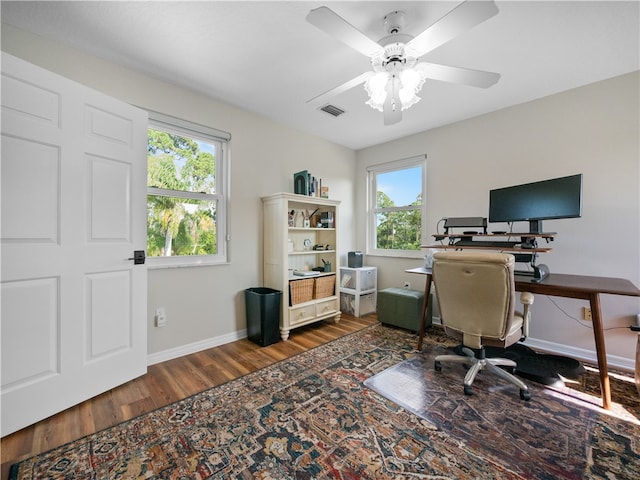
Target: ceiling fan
<point>397,76</point>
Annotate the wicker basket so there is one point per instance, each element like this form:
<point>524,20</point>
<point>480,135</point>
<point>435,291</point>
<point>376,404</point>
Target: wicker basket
<point>324,286</point>
<point>301,290</point>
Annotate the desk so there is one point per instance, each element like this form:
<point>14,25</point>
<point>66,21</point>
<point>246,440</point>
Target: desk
<point>568,286</point>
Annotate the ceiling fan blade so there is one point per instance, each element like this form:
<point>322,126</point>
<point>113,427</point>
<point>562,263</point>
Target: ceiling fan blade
<point>323,98</point>
<point>392,108</point>
<point>462,18</point>
<point>465,76</point>
<point>329,22</point>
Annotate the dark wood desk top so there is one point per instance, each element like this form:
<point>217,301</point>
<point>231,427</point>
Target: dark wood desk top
<point>560,284</point>
<point>421,270</point>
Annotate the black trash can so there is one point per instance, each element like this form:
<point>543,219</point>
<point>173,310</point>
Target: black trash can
<point>263,315</point>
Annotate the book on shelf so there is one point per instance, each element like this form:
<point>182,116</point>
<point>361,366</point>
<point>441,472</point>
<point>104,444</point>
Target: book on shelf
<point>305,183</point>
<point>305,273</point>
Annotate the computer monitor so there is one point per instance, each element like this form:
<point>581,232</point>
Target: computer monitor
<point>533,202</point>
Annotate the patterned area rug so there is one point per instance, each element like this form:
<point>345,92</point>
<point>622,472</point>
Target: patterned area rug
<point>551,436</point>
<point>312,417</point>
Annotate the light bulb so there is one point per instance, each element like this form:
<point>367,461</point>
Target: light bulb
<point>376,88</point>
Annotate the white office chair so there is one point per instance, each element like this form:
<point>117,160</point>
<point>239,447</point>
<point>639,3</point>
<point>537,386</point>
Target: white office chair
<point>476,296</point>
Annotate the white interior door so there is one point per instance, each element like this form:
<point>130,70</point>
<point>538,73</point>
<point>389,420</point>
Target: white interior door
<point>73,207</point>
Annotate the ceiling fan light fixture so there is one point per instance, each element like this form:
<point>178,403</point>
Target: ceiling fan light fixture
<point>397,78</point>
<point>376,88</point>
<point>411,81</point>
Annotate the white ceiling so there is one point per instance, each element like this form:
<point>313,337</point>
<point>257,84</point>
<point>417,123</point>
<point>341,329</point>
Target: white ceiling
<point>264,57</point>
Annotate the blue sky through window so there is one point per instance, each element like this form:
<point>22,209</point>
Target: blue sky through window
<point>206,147</point>
<point>401,186</point>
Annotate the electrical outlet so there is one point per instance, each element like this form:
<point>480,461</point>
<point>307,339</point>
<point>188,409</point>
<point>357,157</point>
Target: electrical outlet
<point>407,285</point>
<point>161,317</point>
<point>586,313</point>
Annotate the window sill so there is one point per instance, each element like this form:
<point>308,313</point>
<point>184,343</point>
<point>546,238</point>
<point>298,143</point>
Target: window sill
<point>412,254</point>
<point>156,263</point>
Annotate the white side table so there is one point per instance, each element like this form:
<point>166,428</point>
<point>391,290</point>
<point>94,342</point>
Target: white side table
<point>358,290</point>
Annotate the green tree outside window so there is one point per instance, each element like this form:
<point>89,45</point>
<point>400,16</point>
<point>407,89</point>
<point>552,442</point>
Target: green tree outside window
<point>398,230</point>
<point>396,199</point>
<point>181,220</point>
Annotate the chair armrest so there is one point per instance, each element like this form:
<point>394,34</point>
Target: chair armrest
<point>526,298</point>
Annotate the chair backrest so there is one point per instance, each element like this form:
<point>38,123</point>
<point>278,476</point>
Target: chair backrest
<point>476,294</point>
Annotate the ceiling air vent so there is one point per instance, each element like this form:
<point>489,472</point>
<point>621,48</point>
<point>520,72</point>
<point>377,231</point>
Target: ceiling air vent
<point>332,110</point>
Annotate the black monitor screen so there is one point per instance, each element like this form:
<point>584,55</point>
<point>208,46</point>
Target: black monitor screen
<point>547,199</point>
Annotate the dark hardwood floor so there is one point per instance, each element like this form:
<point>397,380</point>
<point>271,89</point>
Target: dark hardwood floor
<point>165,383</point>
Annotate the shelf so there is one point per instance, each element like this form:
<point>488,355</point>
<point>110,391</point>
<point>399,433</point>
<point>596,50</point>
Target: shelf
<point>301,277</point>
<point>358,290</point>
<point>526,239</point>
<point>486,247</point>
<point>310,252</point>
<point>358,305</point>
<point>311,229</point>
<point>489,235</point>
<point>353,291</point>
<point>288,247</point>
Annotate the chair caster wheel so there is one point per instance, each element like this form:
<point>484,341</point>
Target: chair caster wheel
<point>525,395</point>
<point>437,366</point>
<point>468,390</point>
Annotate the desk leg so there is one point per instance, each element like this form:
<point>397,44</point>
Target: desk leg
<point>601,353</point>
<point>423,319</point>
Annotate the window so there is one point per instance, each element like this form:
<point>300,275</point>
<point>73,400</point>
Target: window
<point>396,209</point>
<point>187,185</point>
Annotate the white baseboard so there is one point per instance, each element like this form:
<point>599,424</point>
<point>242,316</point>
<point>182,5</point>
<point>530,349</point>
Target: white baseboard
<point>584,355</point>
<point>172,353</point>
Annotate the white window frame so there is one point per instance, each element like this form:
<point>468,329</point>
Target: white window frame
<point>169,124</point>
<point>372,210</point>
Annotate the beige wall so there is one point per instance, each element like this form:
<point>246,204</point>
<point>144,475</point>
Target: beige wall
<point>593,130</point>
<point>205,305</point>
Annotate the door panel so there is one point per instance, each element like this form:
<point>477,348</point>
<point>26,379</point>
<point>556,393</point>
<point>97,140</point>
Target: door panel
<point>109,322</point>
<point>73,211</point>
<point>33,103</point>
<point>103,125</point>
<point>30,182</point>
<point>35,303</point>
<point>109,183</point>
